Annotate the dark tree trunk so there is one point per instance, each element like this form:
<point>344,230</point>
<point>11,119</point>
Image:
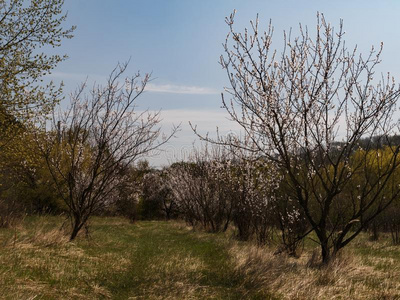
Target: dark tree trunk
<point>325,252</point>
<point>76,227</point>
<point>375,231</point>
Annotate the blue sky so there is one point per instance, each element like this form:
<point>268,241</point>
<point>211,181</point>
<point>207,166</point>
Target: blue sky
<point>180,42</point>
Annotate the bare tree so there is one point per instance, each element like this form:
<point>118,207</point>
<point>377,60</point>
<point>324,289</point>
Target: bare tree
<point>91,144</point>
<point>307,110</point>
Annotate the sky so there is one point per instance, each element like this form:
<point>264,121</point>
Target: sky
<point>180,41</point>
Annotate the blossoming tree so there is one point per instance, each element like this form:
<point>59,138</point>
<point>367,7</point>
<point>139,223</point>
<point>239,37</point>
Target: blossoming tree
<point>307,109</point>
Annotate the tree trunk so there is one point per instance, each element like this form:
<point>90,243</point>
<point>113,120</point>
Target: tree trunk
<point>325,253</point>
<point>77,226</point>
<point>375,232</point>
<point>226,225</point>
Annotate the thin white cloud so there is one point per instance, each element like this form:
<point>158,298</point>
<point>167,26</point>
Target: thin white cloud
<point>180,89</point>
<point>151,87</point>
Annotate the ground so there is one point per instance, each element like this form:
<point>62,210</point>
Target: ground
<point>167,260</point>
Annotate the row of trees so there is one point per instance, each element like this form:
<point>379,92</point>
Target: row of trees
<point>217,189</point>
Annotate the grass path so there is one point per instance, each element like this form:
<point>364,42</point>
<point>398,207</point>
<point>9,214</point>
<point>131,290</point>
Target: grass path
<point>172,263</point>
<point>148,260</point>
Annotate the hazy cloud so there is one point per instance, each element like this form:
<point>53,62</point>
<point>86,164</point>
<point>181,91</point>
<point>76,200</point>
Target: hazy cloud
<point>180,89</point>
<point>151,87</point>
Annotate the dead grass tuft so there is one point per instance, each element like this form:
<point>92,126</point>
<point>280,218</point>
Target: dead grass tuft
<point>258,267</point>
<point>100,291</point>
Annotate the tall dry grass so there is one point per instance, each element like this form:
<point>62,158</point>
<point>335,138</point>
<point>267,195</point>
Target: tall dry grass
<point>345,277</point>
<point>38,236</point>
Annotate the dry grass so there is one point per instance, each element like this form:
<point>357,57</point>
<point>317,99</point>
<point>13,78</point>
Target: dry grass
<point>39,262</point>
<point>38,237</point>
<point>175,277</point>
<point>346,277</point>
<point>164,260</point>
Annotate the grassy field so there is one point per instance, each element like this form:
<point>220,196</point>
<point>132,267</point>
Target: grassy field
<point>161,260</point>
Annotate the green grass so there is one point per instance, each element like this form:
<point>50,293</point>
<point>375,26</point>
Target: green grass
<point>167,260</point>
